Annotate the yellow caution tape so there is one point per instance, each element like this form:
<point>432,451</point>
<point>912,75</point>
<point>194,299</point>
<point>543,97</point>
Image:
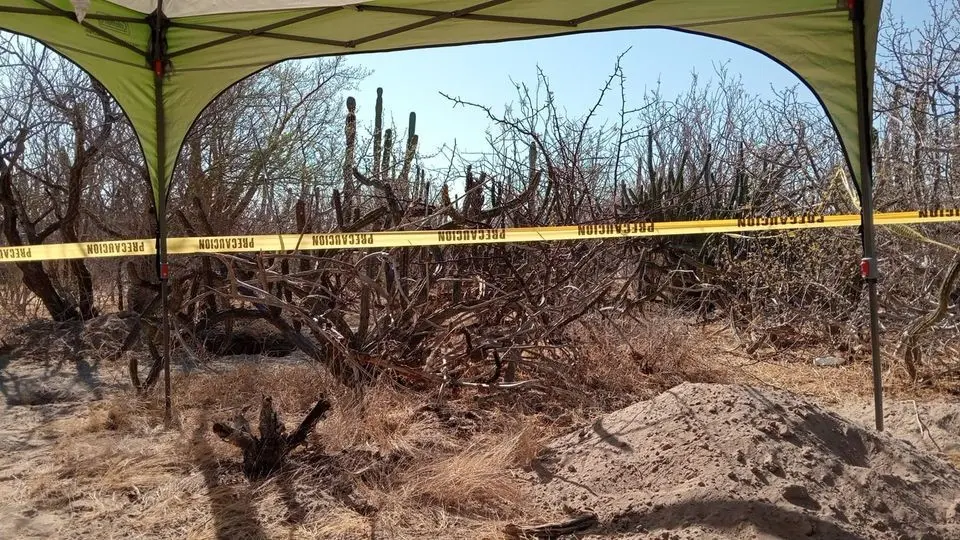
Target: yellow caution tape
<point>388,239</point>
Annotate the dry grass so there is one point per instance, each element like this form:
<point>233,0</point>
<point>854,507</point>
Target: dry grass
<point>386,462</point>
<point>384,420</point>
<point>475,480</point>
<point>226,387</point>
<point>471,481</point>
<point>832,385</point>
<point>793,370</point>
<point>380,461</point>
<point>101,477</point>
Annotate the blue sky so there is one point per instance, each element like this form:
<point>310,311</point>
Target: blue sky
<point>577,67</point>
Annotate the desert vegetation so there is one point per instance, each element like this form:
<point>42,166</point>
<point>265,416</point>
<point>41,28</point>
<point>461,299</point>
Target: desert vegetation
<point>445,369</point>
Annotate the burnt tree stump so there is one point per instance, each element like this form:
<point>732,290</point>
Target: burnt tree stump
<point>265,454</point>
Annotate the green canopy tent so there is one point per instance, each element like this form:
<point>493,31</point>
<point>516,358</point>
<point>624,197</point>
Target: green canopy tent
<point>165,61</point>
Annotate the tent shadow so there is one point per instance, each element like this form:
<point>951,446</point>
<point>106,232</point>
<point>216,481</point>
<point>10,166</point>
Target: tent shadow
<point>725,514</point>
<point>71,374</point>
<point>233,506</point>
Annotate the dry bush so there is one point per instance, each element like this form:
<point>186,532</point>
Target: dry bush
<point>624,360</point>
<point>792,287</point>
<point>713,151</point>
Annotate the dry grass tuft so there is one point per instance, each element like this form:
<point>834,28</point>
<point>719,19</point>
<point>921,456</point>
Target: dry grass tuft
<point>294,387</point>
<point>474,481</point>
<point>95,473</point>
<point>339,523</point>
<point>954,458</point>
<point>124,414</point>
<point>383,419</point>
<point>530,440</point>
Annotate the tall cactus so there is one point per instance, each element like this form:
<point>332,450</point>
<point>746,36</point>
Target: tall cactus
<point>337,203</point>
<point>895,145</point>
<point>385,162</point>
<point>706,176</point>
<point>740,192</point>
<point>405,190</point>
<point>651,172</point>
<point>377,133</point>
<point>936,139</point>
<point>349,158</point>
<point>473,194</point>
<point>467,190</point>
<point>408,155</point>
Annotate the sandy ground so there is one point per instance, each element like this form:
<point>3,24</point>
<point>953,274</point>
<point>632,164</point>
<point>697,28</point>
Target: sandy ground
<point>732,461</point>
<point>698,461</point>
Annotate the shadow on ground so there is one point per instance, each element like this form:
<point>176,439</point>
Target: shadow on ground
<point>233,506</point>
<point>727,515</point>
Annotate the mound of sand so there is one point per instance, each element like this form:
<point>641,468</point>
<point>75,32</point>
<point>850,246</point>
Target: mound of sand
<point>720,461</point>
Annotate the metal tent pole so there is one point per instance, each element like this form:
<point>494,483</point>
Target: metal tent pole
<point>868,265</point>
<point>158,59</point>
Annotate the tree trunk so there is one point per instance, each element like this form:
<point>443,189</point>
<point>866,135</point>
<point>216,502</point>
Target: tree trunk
<point>35,277</point>
<point>40,284</point>
<point>85,289</point>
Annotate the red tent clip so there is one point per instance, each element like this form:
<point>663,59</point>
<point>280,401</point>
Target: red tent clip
<point>868,268</point>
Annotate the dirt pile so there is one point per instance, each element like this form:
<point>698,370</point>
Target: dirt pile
<point>721,461</point>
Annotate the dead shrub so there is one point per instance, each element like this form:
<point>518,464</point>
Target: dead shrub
<point>627,360</point>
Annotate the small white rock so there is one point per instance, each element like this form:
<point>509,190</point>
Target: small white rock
<point>828,361</point>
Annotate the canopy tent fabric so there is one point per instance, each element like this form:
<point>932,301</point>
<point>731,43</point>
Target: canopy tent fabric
<point>164,62</point>
<point>188,8</point>
<point>212,44</point>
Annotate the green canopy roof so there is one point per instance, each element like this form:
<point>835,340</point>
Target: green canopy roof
<point>208,45</point>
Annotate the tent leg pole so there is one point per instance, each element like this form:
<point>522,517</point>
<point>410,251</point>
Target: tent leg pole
<point>157,61</point>
<point>165,321</point>
<point>162,267</point>
<point>868,265</point>
<point>875,353</point>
